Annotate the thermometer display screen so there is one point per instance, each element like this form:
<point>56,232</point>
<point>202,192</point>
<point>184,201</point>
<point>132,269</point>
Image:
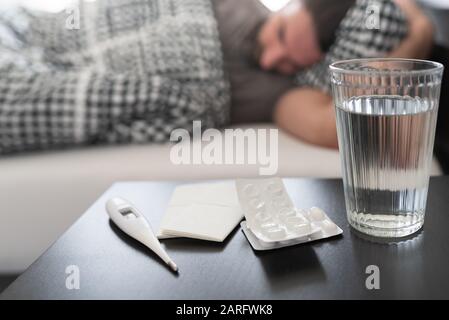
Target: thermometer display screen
<point>128,213</point>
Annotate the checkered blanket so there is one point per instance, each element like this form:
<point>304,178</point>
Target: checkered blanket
<point>133,71</point>
<point>137,69</point>
<point>371,28</point>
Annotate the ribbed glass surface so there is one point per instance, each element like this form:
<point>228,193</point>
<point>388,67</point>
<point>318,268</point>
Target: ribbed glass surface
<point>386,125</point>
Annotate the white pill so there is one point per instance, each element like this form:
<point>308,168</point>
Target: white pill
<point>301,229</point>
<point>285,213</point>
<point>262,216</point>
<point>317,214</point>
<point>295,220</point>
<point>275,233</point>
<point>251,190</point>
<point>275,188</point>
<point>268,225</point>
<point>256,204</point>
<point>279,202</point>
<point>328,226</point>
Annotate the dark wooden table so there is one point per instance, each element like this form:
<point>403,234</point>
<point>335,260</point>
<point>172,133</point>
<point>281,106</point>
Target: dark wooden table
<point>114,267</point>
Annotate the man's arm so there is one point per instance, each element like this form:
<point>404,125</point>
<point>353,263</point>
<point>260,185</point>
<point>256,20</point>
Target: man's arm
<point>309,115</point>
<point>419,41</point>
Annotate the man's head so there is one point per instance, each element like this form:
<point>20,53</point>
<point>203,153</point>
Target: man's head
<point>288,40</point>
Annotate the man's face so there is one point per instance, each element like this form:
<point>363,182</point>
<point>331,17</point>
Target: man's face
<point>288,41</point>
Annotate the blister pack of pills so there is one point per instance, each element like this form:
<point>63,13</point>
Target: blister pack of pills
<point>272,221</point>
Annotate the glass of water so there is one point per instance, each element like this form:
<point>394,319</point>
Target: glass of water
<point>386,113</point>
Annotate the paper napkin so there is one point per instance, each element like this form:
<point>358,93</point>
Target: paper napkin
<point>206,211</point>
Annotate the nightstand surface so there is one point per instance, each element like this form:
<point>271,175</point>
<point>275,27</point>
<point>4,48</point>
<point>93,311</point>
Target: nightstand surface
<point>112,266</point>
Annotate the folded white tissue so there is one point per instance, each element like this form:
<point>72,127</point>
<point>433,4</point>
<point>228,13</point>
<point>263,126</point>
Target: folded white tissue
<point>206,211</point>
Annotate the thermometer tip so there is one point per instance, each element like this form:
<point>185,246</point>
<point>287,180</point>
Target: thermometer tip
<point>173,266</point>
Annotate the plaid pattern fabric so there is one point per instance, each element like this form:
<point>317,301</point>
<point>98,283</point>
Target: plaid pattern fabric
<point>356,38</point>
<point>134,71</point>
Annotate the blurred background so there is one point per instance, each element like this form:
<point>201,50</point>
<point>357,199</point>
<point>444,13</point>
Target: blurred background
<point>438,10</point>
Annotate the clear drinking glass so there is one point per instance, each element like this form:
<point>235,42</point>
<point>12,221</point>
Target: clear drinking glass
<point>386,113</point>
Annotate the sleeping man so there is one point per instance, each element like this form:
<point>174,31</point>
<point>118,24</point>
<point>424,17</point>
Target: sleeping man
<point>308,112</point>
<point>301,41</point>
<point>133,71</point>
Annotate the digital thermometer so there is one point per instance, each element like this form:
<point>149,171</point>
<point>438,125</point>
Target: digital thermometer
<point>134,224</point>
